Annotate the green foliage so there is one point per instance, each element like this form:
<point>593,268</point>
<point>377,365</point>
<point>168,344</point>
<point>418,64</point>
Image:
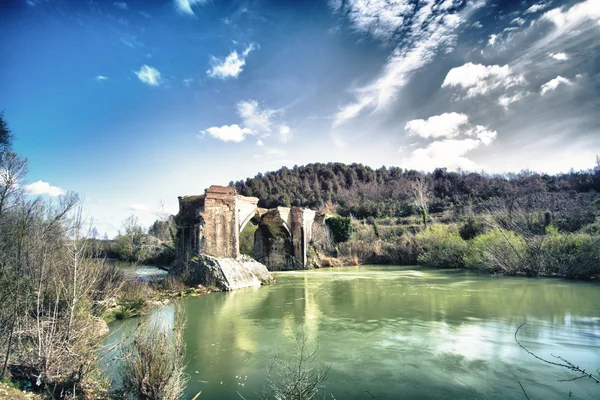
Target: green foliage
<point>571,255</point>
<point>247,238</point>
<point>341,228</point>
<point>497,251</point>
<point>442,247</point>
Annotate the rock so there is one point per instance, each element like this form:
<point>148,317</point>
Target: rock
<point>223,273</point>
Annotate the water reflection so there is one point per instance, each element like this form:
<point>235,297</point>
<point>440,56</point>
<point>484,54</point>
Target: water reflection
<point>393,332</point>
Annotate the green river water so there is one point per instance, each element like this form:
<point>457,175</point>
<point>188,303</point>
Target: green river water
<point>396,332</point>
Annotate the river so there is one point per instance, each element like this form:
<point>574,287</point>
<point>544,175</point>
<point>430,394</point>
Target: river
<point>397,332</point>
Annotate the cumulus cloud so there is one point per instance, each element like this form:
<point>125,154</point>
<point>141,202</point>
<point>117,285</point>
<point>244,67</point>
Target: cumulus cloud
<point>458,138</point>
<point>554,83</point>
<point>445,125</point>
<point>229,133</point>
<point>100,78</point>
<point>566,18</point>
<point>43,188</point>
<point>185,6</point>
<point>492,40</point>
<point>448,153</point>
<point>121,5</point>
<point>425,28</point>
<point>229,67</point>
<point>255,120</point>
<point>559,56</point>
<point>148,75</point>
<point>479,79</point>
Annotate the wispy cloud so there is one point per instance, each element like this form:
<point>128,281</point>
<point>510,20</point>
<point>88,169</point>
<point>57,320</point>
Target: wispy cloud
<point>43,188</point>
<point>185,6</point>
<point>506,101</point>
<point>229,133</point>
<point>479,79</point>
<point>148,75</point>
<point>554,83</point>
<point>425,28</point>
<point>537,7</point>
<point>139,207</point>
<point>101,78</point>
<point>121,5</point>
<point>229,67</point>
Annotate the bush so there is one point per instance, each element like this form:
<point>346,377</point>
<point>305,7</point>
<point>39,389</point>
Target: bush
<point>471,228</point>
<point>152,366</point>
<point>571,256</point>
<point>442,247</point>
<point>341,228</point>
<point>498,251</point>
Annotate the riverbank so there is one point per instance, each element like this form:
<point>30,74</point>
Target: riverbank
<point>476,244</point>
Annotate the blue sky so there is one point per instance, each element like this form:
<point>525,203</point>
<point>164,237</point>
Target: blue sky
<point>133,103</point>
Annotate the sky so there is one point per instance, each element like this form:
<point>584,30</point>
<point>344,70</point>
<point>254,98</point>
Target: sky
<point>133,103</point>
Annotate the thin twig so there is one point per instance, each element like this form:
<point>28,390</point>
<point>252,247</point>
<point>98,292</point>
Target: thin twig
<point>523,389</point>
<point>568,364</point>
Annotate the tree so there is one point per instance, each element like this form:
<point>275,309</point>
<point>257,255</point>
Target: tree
<point>420,195</point>
<point>6,137</point>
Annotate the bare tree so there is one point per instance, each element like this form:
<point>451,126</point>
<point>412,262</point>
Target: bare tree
<point>295,377</point>
<point>421,194</point>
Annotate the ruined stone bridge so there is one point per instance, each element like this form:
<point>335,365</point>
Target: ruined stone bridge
<point>211,224</point>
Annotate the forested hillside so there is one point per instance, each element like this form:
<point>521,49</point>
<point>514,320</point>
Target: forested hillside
<point>389,192</point>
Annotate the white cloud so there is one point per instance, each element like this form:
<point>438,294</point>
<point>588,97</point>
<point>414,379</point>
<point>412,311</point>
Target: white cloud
<point>518,21</point>
<point>285,133</point>
<point>255,117</point>
<point>425,29</point>
<point>231,66</point>
<point>537,7</point>
<point>483,133</point>
<point>559,56</point>
<point>185,6</point>
<point>229,133</point>
<point>565,19</point>
<point>445,125</point>
<point>148,75</point>
<point>492,40</point>
<point>380,18</point>
<point>121,5</point>
<point>480,79</point>
<point>459,137</point>
<point>101,78</point>
<point>139,207</point>
<point>554,83</point>
<point>256,120</point>
<point>506,101</point>
<point>43,188</point>
<point>448,153</point>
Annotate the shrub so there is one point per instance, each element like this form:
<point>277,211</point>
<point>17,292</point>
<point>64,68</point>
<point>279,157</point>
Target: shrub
<point>498,251</point>
<point>341,228</point>
<point>442,247</point>
<point>152,366</point>
<point>571,255</point>
<point>471,228</point>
